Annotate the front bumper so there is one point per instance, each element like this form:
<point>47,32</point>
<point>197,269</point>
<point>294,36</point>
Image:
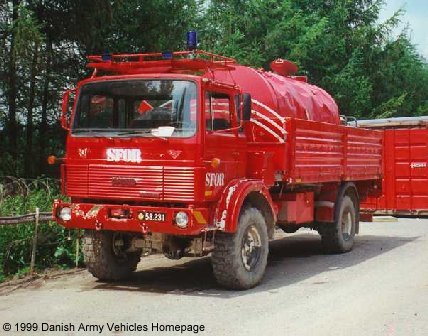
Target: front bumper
<point>99,217</point>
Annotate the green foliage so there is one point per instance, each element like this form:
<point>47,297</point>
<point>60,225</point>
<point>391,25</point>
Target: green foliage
<point>28,32</point>
<point>138,26</point>
<point>352,78</point>
<point>390,107</point>
<point>56,246</point>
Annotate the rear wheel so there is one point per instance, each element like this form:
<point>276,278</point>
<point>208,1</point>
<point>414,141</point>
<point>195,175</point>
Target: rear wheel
<point>106,256</point>
<point>339,236</point>
<point>239,260</point>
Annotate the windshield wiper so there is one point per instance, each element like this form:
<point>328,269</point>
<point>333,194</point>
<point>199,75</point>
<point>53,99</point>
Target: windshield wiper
<point>90,130</point>
<point>142,132</point>
<point>136,132</point>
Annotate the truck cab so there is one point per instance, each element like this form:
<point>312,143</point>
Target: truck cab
<point>169,143</point>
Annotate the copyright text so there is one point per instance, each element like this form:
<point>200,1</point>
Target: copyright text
<point>101,328</point>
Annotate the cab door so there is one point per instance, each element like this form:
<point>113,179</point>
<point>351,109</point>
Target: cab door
<point>225,143</point>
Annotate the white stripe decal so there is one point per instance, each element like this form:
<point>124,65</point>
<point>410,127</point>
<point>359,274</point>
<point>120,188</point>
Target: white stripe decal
<point>267,129</point>
<point>270,121</point>
<point>267,108</point>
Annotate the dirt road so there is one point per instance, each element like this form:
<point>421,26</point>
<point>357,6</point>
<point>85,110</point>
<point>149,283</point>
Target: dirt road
<point>380,288</point>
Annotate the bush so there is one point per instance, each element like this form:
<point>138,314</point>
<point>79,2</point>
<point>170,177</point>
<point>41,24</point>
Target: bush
<point>56,246</point>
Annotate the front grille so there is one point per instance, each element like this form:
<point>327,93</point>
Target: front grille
<point>148,179</point>
<point>151,182</point>
<point>76,180</point>
<point>179,184</point>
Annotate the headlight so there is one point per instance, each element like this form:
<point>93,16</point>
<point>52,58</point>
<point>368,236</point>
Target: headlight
<point>181,219</point>
<point>65,214</point>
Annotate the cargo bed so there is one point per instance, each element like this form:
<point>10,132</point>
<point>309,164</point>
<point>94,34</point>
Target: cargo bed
<point>321,152</point>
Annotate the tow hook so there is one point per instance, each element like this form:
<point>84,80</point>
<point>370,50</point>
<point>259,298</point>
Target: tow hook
<point>144,228</point>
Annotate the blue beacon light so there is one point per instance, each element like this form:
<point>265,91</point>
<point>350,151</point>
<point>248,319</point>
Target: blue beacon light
<point>106,56</point>
<point>167,55</point>
<point>192,40</point>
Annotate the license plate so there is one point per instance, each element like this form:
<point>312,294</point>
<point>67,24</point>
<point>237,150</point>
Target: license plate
<point>152,216</point>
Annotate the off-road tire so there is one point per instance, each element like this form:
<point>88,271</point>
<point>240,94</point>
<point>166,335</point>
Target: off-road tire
<point>102,261</point>
<point>333,237</point>
<point>227,259</point>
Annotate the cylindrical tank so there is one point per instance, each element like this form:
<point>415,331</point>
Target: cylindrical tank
<point>276,97</point>
<point>288,96</point>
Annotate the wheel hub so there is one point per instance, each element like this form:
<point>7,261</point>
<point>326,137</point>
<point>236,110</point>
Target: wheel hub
<point>251,248</point>
<point>119,246</point>
<point>347,223</point>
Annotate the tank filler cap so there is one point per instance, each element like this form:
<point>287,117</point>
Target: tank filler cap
<point>284,67</point>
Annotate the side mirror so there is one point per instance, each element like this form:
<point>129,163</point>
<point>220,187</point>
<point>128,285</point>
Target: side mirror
<point>246,108</point>
<point>66,108</point>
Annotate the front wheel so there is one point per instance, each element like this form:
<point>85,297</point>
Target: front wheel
<point>339,236</point>
<point>239,259</point>
<point>106,257</point>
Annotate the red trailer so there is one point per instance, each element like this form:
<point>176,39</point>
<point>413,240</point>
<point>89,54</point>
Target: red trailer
<point>404,186</point>
<point>190,153</point>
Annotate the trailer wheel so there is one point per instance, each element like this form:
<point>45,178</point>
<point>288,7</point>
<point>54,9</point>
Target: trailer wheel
<point>106,257</point>
<point>239,260</point>
<point>339,237</point>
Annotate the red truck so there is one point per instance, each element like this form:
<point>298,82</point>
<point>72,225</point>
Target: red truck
<point>404,186</point>
<point>189,153</point>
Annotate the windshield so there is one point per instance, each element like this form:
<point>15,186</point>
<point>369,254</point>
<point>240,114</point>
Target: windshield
<point>165,108</point>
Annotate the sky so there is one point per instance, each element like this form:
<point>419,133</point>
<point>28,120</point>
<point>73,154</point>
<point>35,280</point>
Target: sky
<point>416,16</point>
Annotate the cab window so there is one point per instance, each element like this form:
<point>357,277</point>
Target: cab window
<point>217,111</point>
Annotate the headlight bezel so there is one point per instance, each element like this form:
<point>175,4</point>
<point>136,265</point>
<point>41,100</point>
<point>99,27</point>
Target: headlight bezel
<point>64,214</point>
<point>181,219</point>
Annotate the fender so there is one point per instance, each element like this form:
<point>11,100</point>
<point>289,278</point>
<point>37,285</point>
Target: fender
<point>229,206</point>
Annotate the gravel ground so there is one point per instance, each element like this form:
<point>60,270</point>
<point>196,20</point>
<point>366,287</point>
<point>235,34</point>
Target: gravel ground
<point>380,288</point>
